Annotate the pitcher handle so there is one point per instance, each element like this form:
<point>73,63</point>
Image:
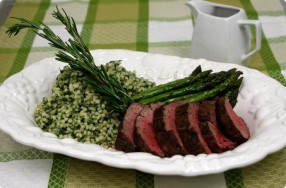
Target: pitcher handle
<point>258,29</point>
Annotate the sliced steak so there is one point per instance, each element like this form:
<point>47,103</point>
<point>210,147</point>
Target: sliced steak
<point>187,124</point>
<point>230,123</point>
<point>211,133</point>
<point>145,137</point>
<point>166,132</point>
<point>125,137</point>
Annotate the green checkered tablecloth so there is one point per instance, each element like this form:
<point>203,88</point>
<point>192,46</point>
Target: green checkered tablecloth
<point>157,26</point>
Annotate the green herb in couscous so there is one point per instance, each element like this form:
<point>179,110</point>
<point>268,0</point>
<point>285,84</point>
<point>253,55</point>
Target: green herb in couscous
<point>74,110</point>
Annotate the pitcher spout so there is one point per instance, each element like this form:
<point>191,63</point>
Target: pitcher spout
<point>192,4</point>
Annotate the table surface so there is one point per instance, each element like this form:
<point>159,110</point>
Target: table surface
<point>157,26</point>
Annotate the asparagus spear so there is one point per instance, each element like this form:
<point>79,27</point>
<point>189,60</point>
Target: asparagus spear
<point>171,86</point>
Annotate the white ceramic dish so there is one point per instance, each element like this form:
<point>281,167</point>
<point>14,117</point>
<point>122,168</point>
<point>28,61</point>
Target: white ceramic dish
<point>261,103</point>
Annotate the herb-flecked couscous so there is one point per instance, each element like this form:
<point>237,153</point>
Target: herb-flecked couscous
<point>74,110</point>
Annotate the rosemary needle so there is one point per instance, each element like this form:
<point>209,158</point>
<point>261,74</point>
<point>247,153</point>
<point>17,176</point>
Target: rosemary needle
<point>77,55</point>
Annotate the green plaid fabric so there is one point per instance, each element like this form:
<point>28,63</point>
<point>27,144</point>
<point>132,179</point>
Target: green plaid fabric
<point>157,26</point>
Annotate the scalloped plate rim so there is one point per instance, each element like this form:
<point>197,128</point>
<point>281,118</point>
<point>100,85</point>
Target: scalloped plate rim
<point>177,165</point>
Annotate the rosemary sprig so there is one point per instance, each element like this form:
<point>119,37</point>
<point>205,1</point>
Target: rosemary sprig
<point>77,55</point>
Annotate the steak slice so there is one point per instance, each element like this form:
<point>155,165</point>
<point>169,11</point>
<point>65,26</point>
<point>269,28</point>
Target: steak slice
<point>125,137</point>
<point>230,123</point>
<point>211,133</point>
<point>187,124</point>
<point>145,137</point>
<point>166,132</point>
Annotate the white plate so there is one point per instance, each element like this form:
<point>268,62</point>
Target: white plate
<point>261,103</point>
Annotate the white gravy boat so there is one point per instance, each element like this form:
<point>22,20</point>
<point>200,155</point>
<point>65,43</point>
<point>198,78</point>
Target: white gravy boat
<point>222,33</point>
